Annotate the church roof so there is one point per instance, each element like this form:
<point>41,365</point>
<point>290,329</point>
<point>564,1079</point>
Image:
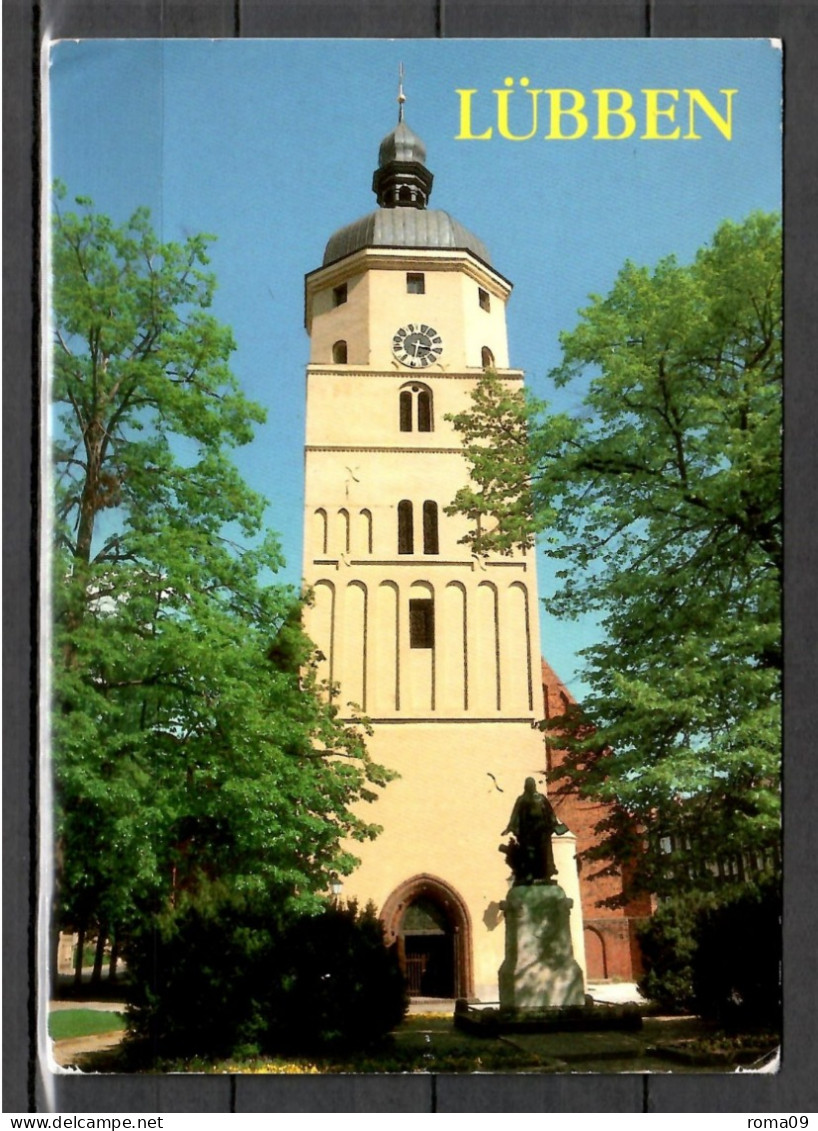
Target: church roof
<point>404,227</point>
<point>402,185</point>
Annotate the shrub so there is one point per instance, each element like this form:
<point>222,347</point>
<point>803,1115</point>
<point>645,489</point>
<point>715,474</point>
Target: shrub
<point>196,975</point>
<point>736,966</point>
<point>668,944</point>
<point>219,977</point>
<point>336,983</point>
<point>718,959</point>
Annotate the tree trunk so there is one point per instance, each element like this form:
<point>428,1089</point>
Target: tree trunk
<point>99,954</point>
<point>78,956</point>
<point>112,963</point>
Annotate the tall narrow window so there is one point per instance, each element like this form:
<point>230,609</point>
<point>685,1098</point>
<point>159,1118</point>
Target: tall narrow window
<point>339,352</point>
<point>421,622</point>
<point>339,295</point>
<point>484,298</point>
<point>430,541</point>
<point>406,411</point>
<point>424,411</point>
<point>406,534</point>
<point>487,358</point>
<point>415,283</point>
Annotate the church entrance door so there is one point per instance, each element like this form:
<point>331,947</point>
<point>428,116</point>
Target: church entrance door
<point>429,923</point>
<point>428,947</point>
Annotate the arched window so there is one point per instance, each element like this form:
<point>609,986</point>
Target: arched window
<point>339,352</point>
<point>424,411</point>
<point>406,534</point>
<point>486,358</point>
<point>405,411</point>
<point>415,408</point>
<point>430,540</point>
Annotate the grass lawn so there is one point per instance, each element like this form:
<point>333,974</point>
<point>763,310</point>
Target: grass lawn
<point>66,1023</point>
<point>431,1043</point>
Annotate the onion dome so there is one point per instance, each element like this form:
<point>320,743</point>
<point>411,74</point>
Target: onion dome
<point>402,179</point>
<point>401,145</point>
<point>402,185</point>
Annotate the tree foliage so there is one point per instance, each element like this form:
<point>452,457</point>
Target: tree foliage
<point>191,742</point>
<point>660,501</point>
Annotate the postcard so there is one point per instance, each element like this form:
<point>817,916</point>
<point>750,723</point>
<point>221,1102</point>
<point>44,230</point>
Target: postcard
<point>412,568</point>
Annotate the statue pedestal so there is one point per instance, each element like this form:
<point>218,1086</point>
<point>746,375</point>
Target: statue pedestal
<point>539,970</point>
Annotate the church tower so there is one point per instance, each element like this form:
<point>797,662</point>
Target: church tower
<point>438,649</point>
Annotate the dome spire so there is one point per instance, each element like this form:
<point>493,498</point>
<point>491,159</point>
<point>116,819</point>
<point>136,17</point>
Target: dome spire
<point>401,95</point>
<point>402,179</point>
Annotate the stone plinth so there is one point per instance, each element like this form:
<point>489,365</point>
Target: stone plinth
<point>539,970</point>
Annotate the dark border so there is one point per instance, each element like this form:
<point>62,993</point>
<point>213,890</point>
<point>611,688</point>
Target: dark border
<point>795,1088</point>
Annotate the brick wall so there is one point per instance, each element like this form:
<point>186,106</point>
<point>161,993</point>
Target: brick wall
<point>611,949</point>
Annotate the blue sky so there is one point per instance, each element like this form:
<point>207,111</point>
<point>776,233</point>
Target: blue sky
<point>270,145</point>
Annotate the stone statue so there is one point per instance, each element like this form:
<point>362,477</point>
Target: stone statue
<point>532,822</point>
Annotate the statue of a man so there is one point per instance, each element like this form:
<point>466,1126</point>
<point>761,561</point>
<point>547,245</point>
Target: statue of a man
<point>532,822</point>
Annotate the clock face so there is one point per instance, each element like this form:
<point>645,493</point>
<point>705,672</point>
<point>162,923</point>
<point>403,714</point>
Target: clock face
<point>417,345</point>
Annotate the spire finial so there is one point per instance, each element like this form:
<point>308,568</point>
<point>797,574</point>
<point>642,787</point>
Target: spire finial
<point>401,95</point>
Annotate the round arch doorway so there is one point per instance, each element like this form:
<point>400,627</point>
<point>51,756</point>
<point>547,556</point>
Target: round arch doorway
<point>430,924</point>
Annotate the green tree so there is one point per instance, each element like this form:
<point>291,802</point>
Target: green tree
<point>193,748</point>
<point>661,503</point>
